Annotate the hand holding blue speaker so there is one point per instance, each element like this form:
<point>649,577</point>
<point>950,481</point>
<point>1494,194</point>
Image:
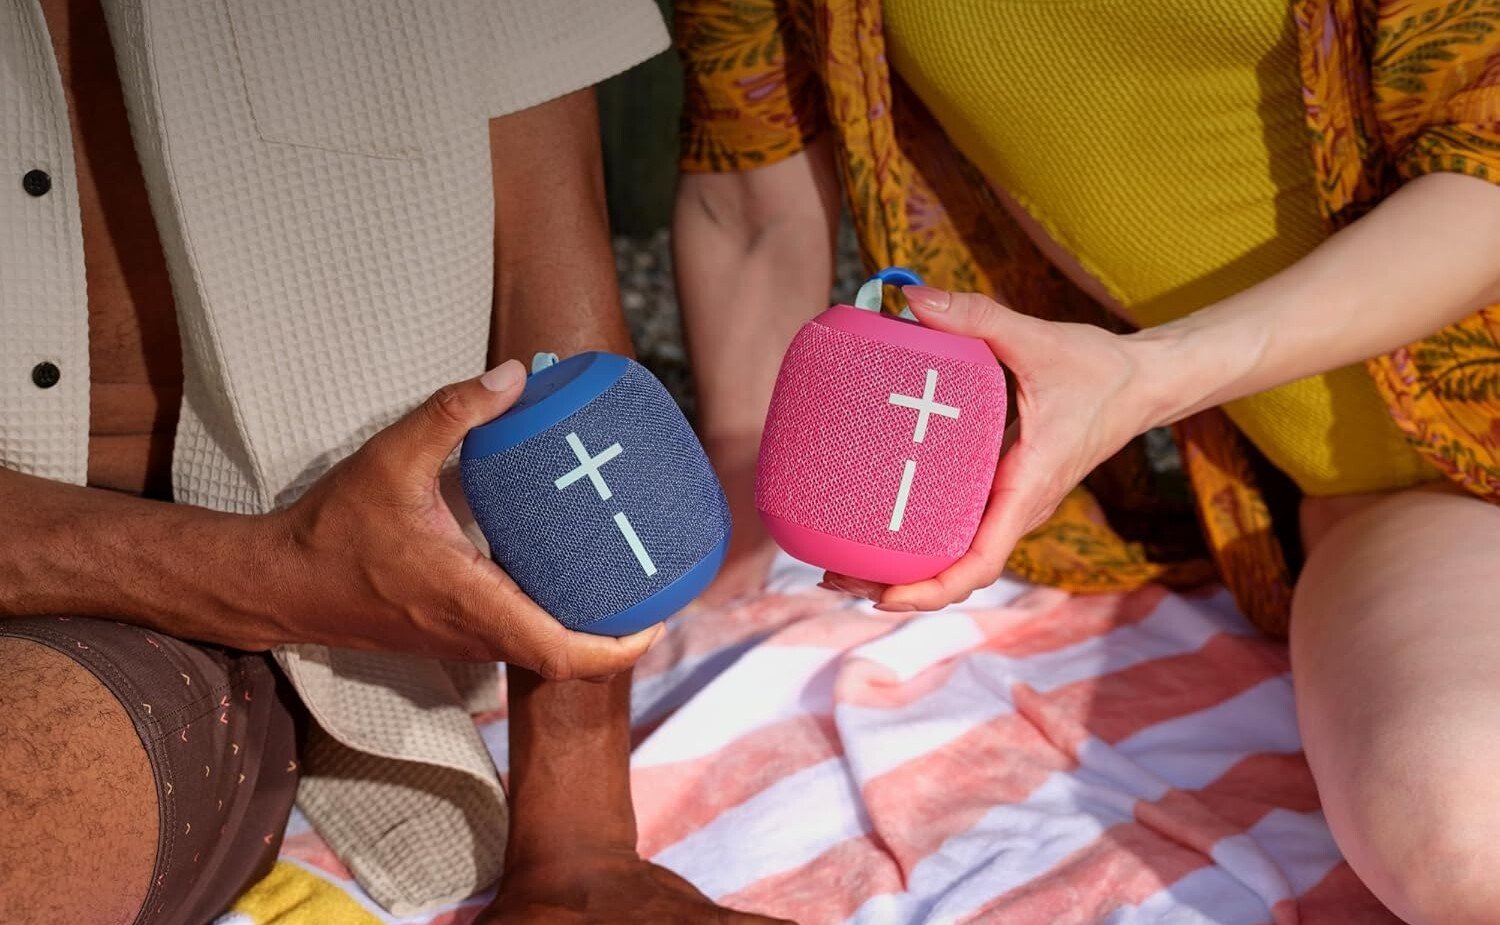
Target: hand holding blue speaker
<point>596,497</point>
<point>372,557</point>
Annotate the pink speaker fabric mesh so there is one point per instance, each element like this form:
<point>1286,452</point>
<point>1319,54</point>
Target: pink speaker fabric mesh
<point>836,447</point>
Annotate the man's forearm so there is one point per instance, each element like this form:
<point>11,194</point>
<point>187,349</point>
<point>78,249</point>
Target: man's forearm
<point>1423,259</point>
<point>72,550</point>
<point>556,290</point>
<point>555,285</point>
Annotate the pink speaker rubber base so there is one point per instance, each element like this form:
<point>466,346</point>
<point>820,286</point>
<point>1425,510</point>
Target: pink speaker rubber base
<point>856,560</point>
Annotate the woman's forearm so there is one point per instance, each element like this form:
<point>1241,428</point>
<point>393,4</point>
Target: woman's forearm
<point>1426,257</point>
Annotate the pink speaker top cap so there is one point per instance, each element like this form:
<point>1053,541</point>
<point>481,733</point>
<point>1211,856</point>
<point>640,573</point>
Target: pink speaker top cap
<point>900,332</point>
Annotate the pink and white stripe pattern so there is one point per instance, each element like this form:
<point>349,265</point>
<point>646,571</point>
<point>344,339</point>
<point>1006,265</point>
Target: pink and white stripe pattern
<point>1027,757</point>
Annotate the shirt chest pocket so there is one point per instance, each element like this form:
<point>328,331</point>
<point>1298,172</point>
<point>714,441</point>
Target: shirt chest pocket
<point>363,77</point>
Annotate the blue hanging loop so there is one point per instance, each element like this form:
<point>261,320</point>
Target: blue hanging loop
<point>872,294</point>
<point>541,361</point>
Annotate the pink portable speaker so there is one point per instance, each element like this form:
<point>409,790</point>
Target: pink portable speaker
<point>881,442</point>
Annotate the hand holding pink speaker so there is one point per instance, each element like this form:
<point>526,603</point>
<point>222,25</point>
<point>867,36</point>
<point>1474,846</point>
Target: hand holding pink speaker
<point>881,442</point>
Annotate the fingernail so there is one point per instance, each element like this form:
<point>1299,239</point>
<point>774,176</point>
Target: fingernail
<point>661,629</point>
<point>503,377</point>
<point>926,298</point>
<point>896,607</point>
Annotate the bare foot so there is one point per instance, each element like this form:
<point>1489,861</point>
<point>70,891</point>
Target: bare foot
<point>605,886</point>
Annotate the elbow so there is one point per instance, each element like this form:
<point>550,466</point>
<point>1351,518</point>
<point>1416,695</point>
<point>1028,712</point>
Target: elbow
<point>717,216</point>
<point>713,207</point>
<point>789,203</point>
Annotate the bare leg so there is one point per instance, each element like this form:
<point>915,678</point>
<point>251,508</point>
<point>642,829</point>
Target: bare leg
<point>1396,658</point>
<point>78,814</point>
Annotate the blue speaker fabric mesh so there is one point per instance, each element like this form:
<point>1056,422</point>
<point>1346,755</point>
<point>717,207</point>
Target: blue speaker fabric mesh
<point>564,546</point>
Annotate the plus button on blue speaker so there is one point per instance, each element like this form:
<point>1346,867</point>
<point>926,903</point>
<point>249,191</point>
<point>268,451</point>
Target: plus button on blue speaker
<point>596,497</point>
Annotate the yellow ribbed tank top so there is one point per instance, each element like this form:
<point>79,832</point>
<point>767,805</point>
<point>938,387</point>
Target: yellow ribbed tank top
<point>1162,144</point>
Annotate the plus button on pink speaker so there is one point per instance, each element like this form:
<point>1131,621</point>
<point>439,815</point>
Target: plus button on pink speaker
<point>881,442</point>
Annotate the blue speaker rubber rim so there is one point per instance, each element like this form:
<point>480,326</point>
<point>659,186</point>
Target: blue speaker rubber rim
<point>598,372</point>
<point>666,602</point>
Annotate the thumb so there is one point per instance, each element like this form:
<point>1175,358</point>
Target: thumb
<point>593,657</point>
<point>536,641</point>
<point>1004,330</point>
<point>429,433</point>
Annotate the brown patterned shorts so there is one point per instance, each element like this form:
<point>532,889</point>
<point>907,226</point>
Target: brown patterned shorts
<point>221,728</point>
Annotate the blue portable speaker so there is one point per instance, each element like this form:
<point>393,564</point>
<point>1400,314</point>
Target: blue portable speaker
<point>596,496</point>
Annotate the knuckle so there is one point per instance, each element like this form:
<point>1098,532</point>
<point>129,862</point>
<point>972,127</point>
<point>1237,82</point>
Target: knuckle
<point>995,566</point>
<point>448,406</point>
<point>980,306</point>
<point>555,663</point>
<point>969,303</point>
<point>376,473</point>
<point>498,637</point>
<point>960,593</point>
<point>373,456</point>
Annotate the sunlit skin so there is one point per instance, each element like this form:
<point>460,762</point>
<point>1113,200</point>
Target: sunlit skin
<point>369,558</point>
<point>1394,630</point>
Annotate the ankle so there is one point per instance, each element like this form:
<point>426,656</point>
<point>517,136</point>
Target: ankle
<point>547,853</point>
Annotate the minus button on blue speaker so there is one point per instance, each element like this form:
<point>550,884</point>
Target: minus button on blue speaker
<point>596,496</point>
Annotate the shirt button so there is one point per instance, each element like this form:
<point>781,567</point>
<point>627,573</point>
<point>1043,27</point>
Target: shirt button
<point>36,182</point>
<point>45,374</point>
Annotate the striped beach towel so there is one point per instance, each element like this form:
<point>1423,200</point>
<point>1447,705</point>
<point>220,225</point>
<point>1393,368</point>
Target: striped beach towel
<point>1027,757</point>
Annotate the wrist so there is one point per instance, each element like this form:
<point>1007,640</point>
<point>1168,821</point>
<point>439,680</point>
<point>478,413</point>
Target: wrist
<point>209,577</point>
<point>1184,367</point>
<point>254,593</point>
<point>1157,370</point>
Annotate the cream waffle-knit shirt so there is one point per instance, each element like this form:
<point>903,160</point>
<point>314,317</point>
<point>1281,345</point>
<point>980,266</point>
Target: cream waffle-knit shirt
<point>320,175</point>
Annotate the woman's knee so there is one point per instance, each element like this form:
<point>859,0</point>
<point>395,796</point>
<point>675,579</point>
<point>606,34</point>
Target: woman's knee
<point>1403,769</point>
<point>1395,632</point>
<point>1428,851</point>
<point>76,792</point>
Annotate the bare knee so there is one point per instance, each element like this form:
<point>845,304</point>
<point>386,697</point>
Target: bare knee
<point>1394,641</point>
<point>1410,804</point>
<point>1432,858</point>
<point>1457,884</point>
<point>78,812</point>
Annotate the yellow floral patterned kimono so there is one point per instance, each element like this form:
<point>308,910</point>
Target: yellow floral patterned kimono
<point>1393,89</point>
